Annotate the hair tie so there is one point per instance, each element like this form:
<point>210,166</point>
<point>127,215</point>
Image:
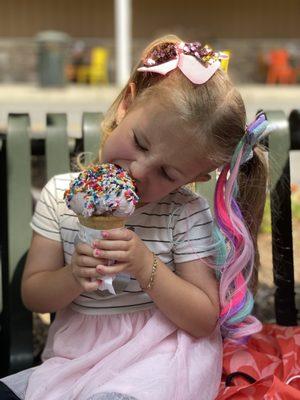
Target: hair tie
<point>255,132</point>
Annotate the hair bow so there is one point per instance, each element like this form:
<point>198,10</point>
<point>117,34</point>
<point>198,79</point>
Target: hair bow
<point>196,67</point>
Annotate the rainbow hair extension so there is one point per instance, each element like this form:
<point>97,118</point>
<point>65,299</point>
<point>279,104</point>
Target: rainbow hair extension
<point>235,258</point>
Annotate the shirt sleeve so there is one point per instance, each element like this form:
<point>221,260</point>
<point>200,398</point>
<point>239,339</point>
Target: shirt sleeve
<point>45,219</point>
<point>193,232</point>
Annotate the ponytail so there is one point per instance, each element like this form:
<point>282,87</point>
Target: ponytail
<point>238,228</point>
<point>252,183</point>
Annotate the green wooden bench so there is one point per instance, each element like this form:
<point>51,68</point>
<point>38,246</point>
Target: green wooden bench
<point>16,149</point>
<point>16,211</point>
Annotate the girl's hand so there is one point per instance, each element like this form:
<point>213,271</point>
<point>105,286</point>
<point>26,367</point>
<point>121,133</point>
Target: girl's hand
<point>83,267</point>
<point>129,253</point>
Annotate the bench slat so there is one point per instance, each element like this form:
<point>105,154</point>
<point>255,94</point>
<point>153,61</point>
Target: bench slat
<point>91,132</point>
<point>57,149</point>
<point>281,217</point>
<point>16,342</point>
<point>19,184</point>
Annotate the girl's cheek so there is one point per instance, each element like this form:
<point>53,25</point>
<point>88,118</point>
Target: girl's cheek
<point>115,149</point>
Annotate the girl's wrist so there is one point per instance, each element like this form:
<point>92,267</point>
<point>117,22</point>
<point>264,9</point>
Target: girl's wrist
<point>76,282</point>
<point>146,273</point>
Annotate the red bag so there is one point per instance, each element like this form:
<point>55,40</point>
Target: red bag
<point>266,367</point>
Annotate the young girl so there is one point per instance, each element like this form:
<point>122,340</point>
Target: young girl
<point>178,119</point>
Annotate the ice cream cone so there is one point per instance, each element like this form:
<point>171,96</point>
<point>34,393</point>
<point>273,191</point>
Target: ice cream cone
<point>103,196</point>
<point>101,222</point>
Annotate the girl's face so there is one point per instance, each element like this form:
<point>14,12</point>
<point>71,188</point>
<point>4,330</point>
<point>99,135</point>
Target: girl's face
<point>151,144</point>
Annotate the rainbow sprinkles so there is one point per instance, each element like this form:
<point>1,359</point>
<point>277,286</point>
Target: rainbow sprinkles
<point>102,189</point>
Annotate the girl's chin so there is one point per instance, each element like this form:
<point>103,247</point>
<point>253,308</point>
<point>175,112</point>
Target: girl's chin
<point>146,197</point>
<point>143,199</point>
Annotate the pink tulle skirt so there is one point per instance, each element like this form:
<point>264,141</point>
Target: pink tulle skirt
<point>141,354</point>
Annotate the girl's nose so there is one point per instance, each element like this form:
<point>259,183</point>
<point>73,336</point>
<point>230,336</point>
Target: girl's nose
<point>139,171</point>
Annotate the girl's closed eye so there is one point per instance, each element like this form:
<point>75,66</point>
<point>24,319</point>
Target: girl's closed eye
<point>138,144</point>
<point>168,177</point>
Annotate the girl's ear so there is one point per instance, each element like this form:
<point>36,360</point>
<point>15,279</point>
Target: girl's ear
<point>126,102</point>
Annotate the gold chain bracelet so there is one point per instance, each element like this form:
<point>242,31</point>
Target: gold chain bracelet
<point>153,272</point>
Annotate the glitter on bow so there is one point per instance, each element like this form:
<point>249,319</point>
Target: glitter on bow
<point>198,63</point>
<point>169,51</point>
<point>161,54</point>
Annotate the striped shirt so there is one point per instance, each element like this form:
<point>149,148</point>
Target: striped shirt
<point>177,229</point>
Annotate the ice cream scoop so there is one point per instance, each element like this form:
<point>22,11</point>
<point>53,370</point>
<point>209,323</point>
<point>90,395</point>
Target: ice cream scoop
<point>102,189</point>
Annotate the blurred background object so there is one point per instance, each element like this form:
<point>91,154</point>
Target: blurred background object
<point>52,52</point>
<point>225,61</point>
<point>96,70</point>
<point>77,59</point>
<point>279,68</point>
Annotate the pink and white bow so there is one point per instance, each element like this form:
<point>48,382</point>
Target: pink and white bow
<point>198,69</point>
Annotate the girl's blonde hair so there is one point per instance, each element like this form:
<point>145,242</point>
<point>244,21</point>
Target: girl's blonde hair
<point>213,111</point>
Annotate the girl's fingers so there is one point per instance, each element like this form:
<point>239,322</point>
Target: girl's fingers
<point>116,255</point>
<point>88,273</point>
<point>106,270</point>
<point>83,248</point>
<point>117,234</point>
<point>88,285</point>
<point>110,245</point>
<point>86,261</point>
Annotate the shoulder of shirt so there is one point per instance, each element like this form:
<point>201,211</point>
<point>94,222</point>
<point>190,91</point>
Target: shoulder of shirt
<point>63,180</point>
<point>179,198</point>
<point>67,177</point>
<point>59,183</point>
<point>184,195</point>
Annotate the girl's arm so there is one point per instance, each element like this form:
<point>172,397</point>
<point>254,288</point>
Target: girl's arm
<point>189,299</point>
<point>48,285</point>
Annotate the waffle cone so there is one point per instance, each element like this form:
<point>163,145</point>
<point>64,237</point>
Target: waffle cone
<point>102,223</point>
